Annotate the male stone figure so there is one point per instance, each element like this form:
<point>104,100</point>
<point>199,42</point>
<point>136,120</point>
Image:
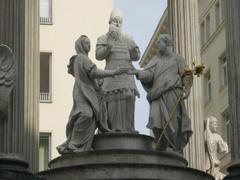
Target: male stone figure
<point>167,85</point>
<point>119,50</point>
<point>214,144</point>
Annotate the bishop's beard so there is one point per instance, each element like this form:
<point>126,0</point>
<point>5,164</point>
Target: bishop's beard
<point>114,32</point>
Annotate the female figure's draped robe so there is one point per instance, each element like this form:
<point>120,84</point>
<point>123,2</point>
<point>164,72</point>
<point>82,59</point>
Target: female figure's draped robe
<point>82,119</point>
<point>163,79</point>
<point>86,111</point>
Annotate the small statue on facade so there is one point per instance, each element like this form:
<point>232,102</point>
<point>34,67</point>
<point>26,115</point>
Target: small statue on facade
<point>118,49</point>
<point>167,85</point>
<point>84,116</point>
<point>214,144</point>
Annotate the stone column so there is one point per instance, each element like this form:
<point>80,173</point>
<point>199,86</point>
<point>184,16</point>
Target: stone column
<point>233,57</point>
<point>184,28</point>
<point>19,29</point>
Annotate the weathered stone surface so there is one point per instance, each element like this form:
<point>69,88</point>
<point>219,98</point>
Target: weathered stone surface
<point>19,30</point>
<point>14,168</point>
<point>125,171</point>
<point>233,57</point>
<point>127,162</point>
<point>118,50</point>
<point>88,108</point>
<point>119,157</point>
<point>123,141</point>
<point>167,85</point>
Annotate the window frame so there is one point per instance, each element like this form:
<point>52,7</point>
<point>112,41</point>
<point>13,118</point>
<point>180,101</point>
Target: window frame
<point>48,96</point>
<point>207,84</point>
<point>208,27</point>
<point>222,67</point>
<point>217,14</point>
<point>49,136</point>
<point>47,20</point>
<point>203,33</point>
<point>226,126</point>
<point>223,9</point>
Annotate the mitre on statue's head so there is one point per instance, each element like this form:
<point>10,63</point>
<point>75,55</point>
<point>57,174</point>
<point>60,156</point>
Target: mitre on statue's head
<point>116,13</point>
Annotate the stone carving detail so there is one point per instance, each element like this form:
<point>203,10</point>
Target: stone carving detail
<point>167,85</point>
<point>7,80</point>
<point>7,92</point>
<point>85,113</point>
<point>119,50</point>
<point>214,144</point>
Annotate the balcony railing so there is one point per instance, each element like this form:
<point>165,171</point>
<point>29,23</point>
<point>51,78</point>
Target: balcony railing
<point>45,97</point>
<point>45,20</point>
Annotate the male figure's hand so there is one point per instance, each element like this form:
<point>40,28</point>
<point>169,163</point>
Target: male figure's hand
<point>132,71</point>
<point>120,70</point>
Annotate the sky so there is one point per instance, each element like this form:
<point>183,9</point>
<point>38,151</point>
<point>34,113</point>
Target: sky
<point>140,19</point>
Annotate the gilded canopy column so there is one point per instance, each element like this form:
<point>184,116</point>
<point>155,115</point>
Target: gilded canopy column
<point>19,29</point>
<point>233,46</point>
<point>184,28</point>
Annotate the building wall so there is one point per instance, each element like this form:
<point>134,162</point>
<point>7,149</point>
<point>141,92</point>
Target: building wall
<point>70,20</point>
<point>212,50</point>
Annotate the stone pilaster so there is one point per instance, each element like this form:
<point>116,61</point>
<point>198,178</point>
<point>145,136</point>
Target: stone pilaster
<point>233,57</point>
<point>184,28</point>
<point>19,29</point>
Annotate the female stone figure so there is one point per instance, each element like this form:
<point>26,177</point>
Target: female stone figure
<point>85,111</point>
<point>167,86</point>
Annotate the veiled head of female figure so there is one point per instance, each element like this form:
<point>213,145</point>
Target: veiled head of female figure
<point>82,45</point>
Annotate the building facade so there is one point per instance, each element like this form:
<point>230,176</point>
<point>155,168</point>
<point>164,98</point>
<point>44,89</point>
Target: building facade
<point>213,55</point>
<point>61,23</point>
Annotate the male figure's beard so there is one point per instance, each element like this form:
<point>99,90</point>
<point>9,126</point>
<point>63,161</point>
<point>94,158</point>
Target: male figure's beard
<point>114,32</point>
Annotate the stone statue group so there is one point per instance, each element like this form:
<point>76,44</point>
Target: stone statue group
<point>105,99</point>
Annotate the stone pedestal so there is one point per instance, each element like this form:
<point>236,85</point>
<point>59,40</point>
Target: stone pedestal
<point>122,156</point>
<point>233,60</point>
<point>14,168</point>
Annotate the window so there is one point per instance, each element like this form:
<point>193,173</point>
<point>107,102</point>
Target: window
<point>208,87</point>
<point>223,70</point>
<point>45,77</point>
<point>202,31</point>
<point>207,27</point>
<point>217,14</point>
<point>223,8</point>
<point>44,150</point>
<point>226,126</point>
<point>45,11</point>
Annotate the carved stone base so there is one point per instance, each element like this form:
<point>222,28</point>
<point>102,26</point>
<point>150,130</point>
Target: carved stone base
<point>123,141</point>
<point>234,171</point>
<point>122,156</point>
<point>14,168</point>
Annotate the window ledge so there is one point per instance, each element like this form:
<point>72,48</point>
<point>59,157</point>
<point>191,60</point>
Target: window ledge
<point>45,98</point>
<point>46,21</point>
